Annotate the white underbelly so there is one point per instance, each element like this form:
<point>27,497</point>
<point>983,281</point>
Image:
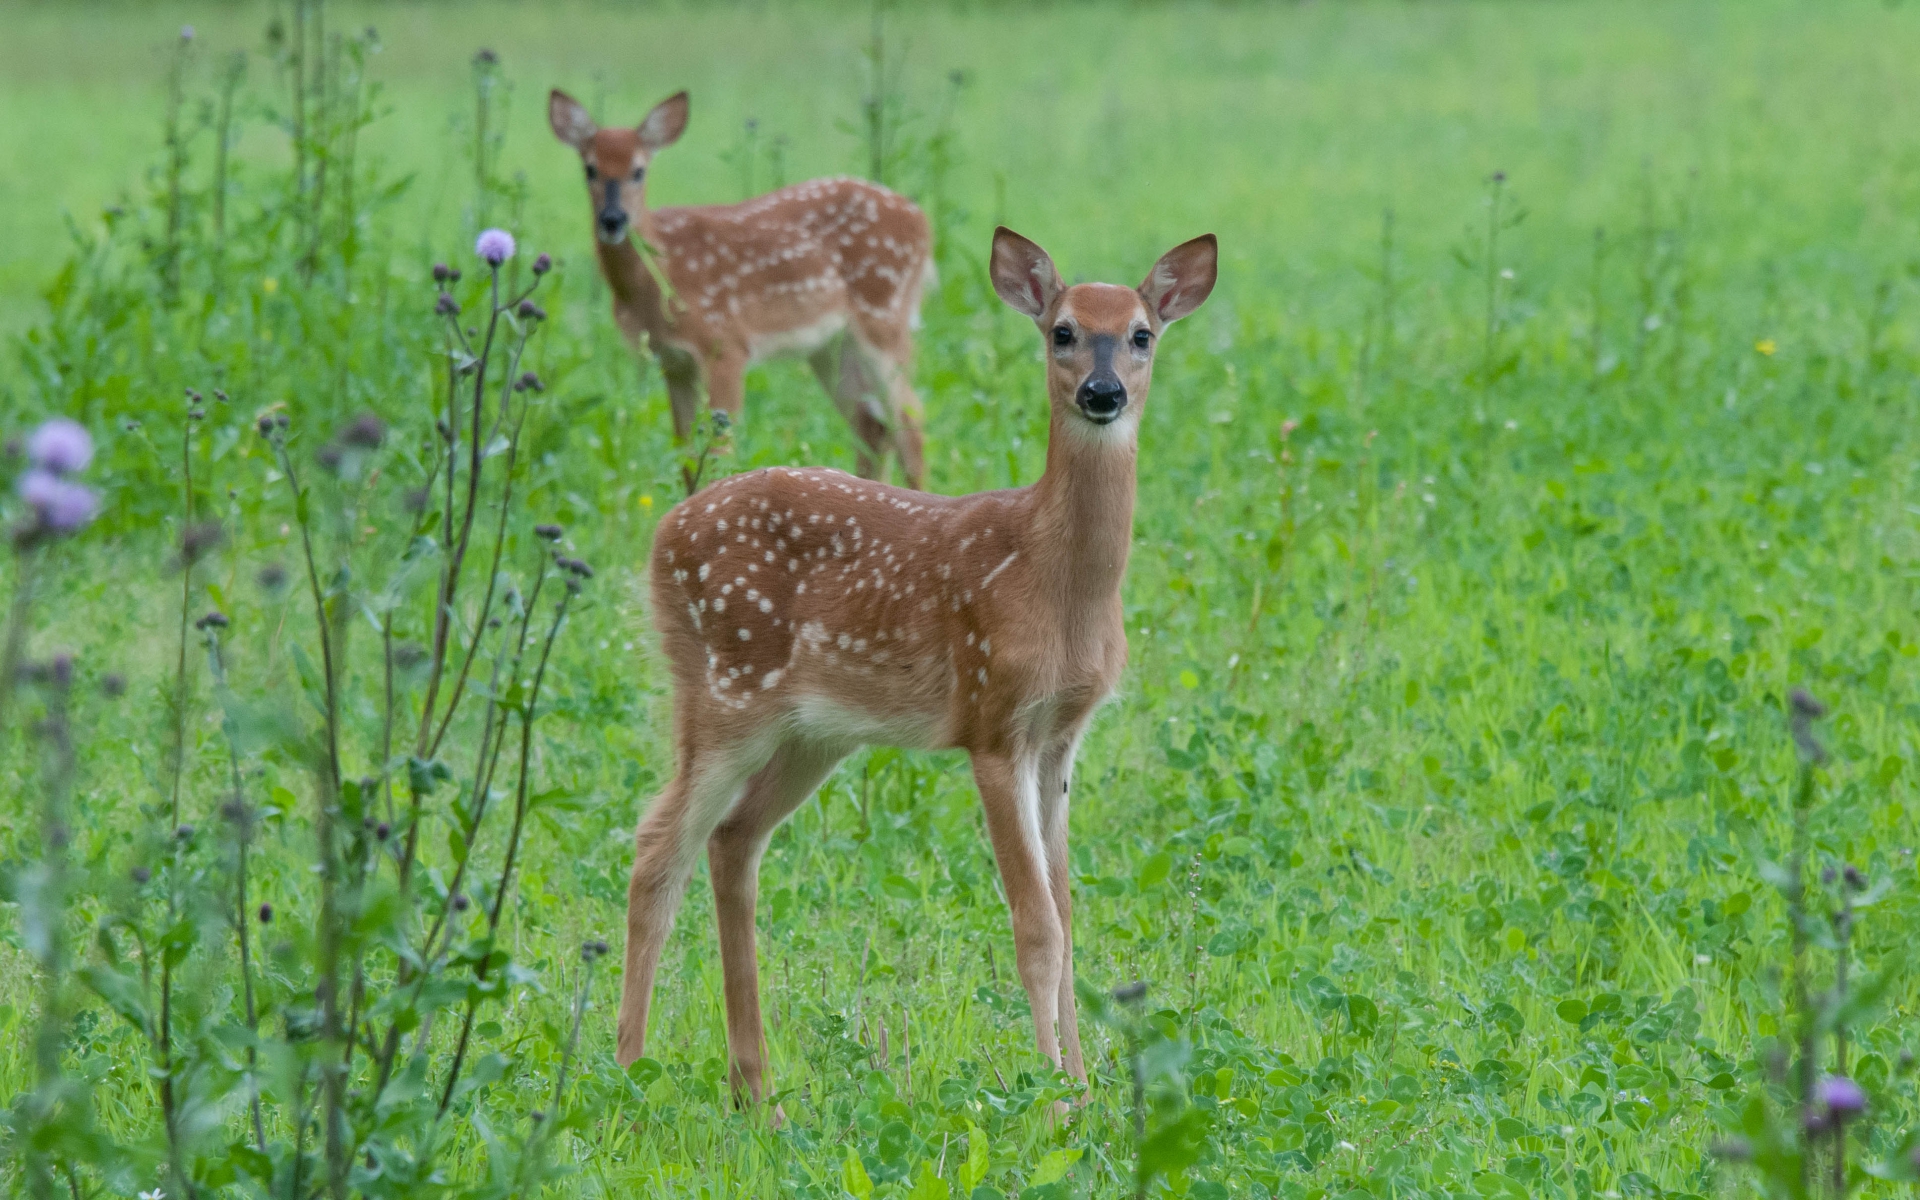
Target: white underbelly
<point>818,718</point>
<point>801,339</point>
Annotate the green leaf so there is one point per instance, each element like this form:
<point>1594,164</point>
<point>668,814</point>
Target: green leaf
<point>1154,870</point>
<point>311,681</point>
<point>1174,1146</point>
<point>121,992</point>
<point>423,775</point>
<point>250,1160</point>
<point>973,1172</point>
<point>1363,1015</point>
<point>854,1177</point>
<point>1054,1167</point>
<point>1572,1011</point>
<point>927,1185</point>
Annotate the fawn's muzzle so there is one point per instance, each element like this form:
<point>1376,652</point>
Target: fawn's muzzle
<point>613,218</point>
<point>1101,397</point>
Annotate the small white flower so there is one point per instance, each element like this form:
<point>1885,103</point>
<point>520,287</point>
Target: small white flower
<point>1701,960</point>
<point>1348,1146</point>
<point>155,1194</point>
<point>1506,273</point>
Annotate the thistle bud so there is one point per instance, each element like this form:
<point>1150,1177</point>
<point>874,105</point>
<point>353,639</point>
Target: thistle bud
<point>366,432</point>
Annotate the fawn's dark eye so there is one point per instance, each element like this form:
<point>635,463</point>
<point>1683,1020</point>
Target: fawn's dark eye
<point>638,173</point>
<point>1062,335</point>
<point>591,173</point>
<point>1142,338</point>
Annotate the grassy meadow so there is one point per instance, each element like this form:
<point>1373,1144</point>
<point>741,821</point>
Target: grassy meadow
<point>1552,421</point>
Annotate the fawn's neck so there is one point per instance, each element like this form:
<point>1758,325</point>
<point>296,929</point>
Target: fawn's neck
<point>635,290</point>
<point>1083,517</point>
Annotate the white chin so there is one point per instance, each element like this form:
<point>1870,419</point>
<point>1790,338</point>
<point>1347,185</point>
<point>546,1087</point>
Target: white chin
<point>614,239</point>
<point>1119,426</point>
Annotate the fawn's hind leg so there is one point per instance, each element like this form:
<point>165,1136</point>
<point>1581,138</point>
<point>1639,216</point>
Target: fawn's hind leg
<point>666,846</point>
<point>733,857</point>
<point>853,380</point>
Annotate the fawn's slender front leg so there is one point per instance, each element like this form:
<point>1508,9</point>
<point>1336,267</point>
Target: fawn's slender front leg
<point>733,857</point>
<point>1009,789</point>
<point>1056,772</point>
<point>682,373</point>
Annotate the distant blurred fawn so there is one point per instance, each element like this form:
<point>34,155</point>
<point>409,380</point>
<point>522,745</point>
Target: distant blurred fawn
<point>806,613</point>
<point>832,269</point>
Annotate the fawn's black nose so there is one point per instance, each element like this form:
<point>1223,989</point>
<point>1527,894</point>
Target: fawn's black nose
<point>613,222</point>
<point>1102,397</point>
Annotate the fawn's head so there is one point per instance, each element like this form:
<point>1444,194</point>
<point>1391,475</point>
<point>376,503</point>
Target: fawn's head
<point>1101,337</point>
<point>616,159</point>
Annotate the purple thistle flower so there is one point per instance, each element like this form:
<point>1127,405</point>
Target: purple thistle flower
<point>495,246</point>
<point>61,446</point>
<point>1841,1096</point>
<point>366,432</point>
<point>61,505</point>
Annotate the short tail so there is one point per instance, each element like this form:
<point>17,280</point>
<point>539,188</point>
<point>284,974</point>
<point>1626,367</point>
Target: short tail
<point>928,280</point>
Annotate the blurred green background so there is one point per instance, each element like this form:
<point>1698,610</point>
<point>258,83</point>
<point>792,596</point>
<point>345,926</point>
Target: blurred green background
<point>1105,132</point>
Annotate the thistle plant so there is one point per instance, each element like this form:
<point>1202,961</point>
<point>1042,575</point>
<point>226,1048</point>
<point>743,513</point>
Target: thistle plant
<point>335,1017</point>
<point>53,1116</point>
<point>1797,1127</point>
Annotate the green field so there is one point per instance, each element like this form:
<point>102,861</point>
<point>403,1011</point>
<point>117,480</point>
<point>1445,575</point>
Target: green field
<point>1485,526</point>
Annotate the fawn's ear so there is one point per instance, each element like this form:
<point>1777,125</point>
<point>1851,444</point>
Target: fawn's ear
<point>569,120</point>
<point>665,123</point>
<point>1182,280</point>
<point>1022,273</point>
